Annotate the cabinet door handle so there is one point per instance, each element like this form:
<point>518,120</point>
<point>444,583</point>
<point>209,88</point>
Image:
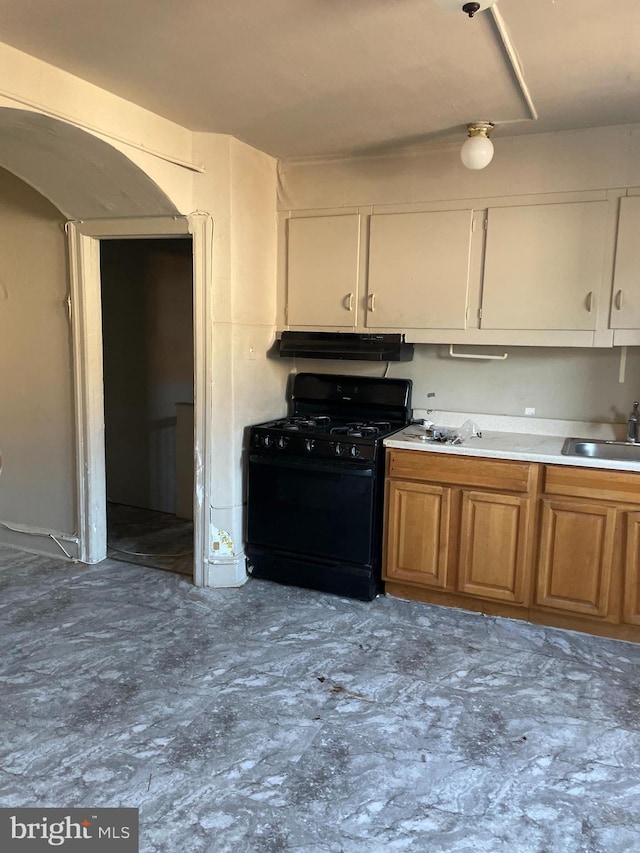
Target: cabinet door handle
<point>619,299</point>
<point>590,301</point>
<point>372,302</point>
<point>348,302</point>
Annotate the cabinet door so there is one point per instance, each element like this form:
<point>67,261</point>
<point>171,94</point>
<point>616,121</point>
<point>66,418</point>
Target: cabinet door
<point>494,546</point>
<point>576,557</point>
<point>625,308</point>
<point>419,270</point>
<point>543,266</point>
<point>418,518</point>
<point>631,604</point>
<point>322,271</point>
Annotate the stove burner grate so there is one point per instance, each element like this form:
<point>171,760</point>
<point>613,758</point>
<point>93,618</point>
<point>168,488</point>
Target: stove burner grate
<point>298,423</point>
<point>366,429</point>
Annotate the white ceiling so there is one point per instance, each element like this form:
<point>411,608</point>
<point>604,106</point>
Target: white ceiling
<point>300,78</point>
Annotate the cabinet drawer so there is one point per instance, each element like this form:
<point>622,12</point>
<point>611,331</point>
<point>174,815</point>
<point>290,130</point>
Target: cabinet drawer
<point>498,474</point>
<point>592,483</point>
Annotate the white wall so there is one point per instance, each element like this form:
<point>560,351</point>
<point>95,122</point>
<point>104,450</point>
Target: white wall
<point>565,384</point>
<point>570,384</point>
<point>91,154</point>
<point>157,146</point>
<point>37,483</point>
<point>239,190</point>
<point>208,173</point>
<point>570,161</point>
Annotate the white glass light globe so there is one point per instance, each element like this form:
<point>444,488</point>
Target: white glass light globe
<point>477,152</point>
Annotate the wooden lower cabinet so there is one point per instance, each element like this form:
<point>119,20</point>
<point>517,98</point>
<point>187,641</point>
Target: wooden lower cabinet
<point>494,546</point>
<point>554,544</point>
<point>470,542</point>
<point>587,573</point>
<point>577,552</point>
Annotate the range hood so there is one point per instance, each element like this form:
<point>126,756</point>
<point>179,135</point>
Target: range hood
<point>345,345</point>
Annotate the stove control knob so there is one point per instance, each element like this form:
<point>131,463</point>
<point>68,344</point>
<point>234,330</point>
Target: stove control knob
<point>309,444</point>
<point>339,449</point>
<point>282,442</point>
<point>266,441</point>
<point>354,450</point>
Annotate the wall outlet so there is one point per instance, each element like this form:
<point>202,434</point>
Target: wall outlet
<point>251,354</point>
<point>529,410</point>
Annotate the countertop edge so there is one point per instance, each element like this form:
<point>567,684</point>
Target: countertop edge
<point>519,447</point>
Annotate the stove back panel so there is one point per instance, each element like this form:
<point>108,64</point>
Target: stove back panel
<point>357,397</point>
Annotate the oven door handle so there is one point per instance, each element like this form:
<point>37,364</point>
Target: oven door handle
<point>323,465</point>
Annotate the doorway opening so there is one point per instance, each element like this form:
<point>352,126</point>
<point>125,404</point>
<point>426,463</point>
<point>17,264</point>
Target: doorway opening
<point>148,371</point>
<point>85,238</point>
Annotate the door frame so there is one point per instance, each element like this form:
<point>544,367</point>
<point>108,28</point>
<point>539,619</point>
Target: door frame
<point>85,310</point>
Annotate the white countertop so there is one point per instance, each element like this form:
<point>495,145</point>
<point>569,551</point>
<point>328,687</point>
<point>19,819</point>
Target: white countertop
<point>522,446</point>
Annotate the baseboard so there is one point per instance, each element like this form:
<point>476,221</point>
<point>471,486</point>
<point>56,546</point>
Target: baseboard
<point>34,540</point>
<point>225,572</point>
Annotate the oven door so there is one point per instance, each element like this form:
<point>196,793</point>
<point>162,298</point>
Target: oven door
<point>319,507</point>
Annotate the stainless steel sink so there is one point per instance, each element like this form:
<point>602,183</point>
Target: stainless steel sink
<point>595,448</point>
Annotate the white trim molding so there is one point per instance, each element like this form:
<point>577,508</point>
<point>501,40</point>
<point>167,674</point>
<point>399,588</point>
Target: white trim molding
<point>201,228</point>
<point>86,335</point>
<point>86,325</point>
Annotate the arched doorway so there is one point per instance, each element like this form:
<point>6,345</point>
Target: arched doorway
<point>106,196</point>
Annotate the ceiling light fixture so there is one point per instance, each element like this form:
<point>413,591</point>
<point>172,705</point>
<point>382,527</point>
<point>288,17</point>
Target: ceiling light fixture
<point>469,9</point>
<point>477,151</point>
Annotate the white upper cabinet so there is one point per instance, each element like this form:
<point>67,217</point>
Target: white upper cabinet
<point>625,307</point>
<point>544,266</point>
<point>549,271</point>
<point>323,259</point>
<point>419,270</point>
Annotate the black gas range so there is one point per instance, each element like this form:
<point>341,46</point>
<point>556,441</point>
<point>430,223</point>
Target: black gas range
<point>315,483</point>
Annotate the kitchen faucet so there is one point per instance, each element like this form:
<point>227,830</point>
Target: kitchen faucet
<point>633,424</point>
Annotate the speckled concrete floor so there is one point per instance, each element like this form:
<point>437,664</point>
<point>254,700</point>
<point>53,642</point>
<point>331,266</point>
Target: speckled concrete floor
<point>275,719</point>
